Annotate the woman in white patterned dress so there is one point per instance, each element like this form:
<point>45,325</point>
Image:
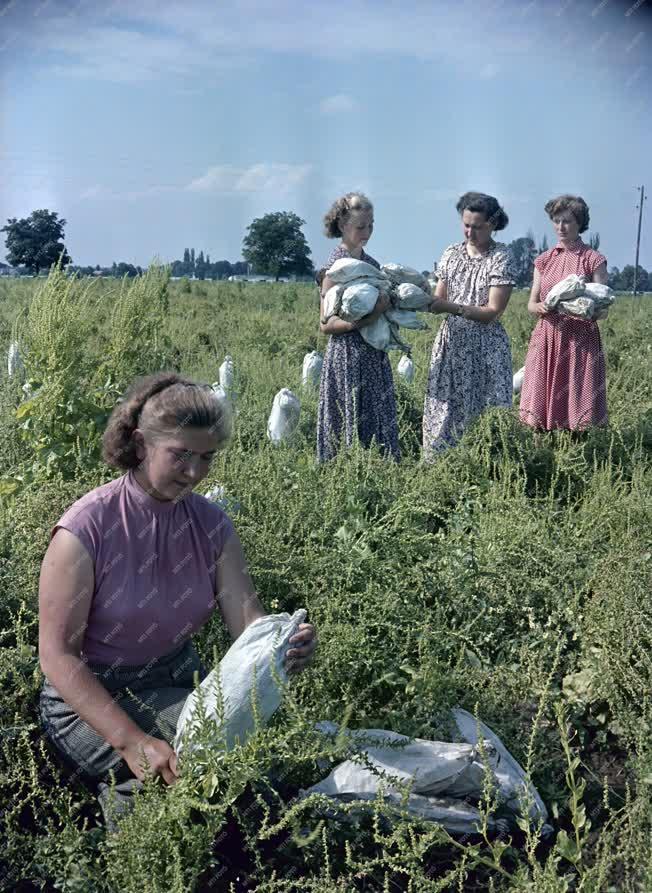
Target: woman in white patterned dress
<point>471,363</point>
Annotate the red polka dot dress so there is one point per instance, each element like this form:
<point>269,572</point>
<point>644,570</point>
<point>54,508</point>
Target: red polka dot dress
<point>565,380</point>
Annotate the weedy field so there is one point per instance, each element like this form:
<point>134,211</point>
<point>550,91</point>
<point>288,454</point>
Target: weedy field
<point>511,577</point>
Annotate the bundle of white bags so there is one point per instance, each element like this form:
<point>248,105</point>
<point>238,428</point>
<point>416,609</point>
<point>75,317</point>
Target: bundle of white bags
<point>574,296</point>
<point>442,776</point>
<point>357,288</point>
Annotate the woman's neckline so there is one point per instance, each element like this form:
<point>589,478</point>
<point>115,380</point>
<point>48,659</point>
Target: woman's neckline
<point>491,246</point>
<point>157,506</point>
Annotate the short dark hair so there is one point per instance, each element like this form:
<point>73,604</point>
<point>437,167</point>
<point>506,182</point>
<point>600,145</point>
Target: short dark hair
<point>481,203</point>
<point>573,203</point>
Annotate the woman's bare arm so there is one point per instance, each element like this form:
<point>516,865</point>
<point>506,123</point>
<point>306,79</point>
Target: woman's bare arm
<point>535,305</point>
<point>65,594</point>
<point>600,274</point>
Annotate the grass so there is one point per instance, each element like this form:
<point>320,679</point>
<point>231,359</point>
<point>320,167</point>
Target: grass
<point>512,577</point>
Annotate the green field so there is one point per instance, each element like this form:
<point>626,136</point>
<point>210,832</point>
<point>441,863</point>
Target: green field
<point>512,577</point>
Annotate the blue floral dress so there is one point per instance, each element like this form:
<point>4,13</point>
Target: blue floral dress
<point>356,391</point>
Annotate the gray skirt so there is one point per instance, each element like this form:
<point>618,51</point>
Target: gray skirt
<point>152,696</point>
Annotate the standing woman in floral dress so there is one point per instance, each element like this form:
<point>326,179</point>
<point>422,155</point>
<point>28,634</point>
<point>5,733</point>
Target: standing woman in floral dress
<point>565,379</point>
<point>356,391</point>
<point>471,363</point>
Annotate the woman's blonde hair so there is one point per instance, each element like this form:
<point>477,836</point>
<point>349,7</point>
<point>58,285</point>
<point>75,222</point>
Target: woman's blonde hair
<point>341,210</point>
<point>161,405</point>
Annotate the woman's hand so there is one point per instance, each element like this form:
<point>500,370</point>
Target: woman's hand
<point>158,754</point>
<point>298,658</point>
<point>383,303</point>
<point>438,305</point>
<point>539,309</point>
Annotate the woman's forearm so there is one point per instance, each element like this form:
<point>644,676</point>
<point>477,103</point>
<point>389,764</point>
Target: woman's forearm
<point>478,314</point>
<point>86,695</point>
<point>337,326</point>
<point>481,314</point>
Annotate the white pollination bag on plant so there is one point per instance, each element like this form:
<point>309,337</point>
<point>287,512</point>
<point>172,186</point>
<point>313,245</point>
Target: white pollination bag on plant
<point>284,417</point>
<point>311,371</point>
<point>14,360</point>
<point>358,300</point>
<point>517,380</point>
<point>245,676</point>
<point>227,374</point>
<point>405,369</point>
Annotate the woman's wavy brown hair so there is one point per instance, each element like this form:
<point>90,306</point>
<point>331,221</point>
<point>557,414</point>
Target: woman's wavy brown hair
<point>573,203</point>
<point>341,210</point>
<point>161,405</point>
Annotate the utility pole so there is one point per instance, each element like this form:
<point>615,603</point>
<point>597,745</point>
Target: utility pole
<point>638,236</point>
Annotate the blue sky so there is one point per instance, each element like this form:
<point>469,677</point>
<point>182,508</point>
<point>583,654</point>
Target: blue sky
<point>152,126</point>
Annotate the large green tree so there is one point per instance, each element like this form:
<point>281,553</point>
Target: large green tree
<point>36,241</point>
<point>524,252</point>
<point>275,245</point>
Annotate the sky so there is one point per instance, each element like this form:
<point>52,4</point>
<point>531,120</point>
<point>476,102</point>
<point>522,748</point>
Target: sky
<point>155,126</point>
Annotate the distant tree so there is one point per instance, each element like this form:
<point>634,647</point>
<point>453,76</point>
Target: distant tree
<point>543,245</point>
<point>275,245</point>
<point>200,266</point>
<point>239,268</point>
<point>192,259</point>
<point>36,241</point>
<point>222,269</point>
<point>624,280</point>
<point>524,251</point>
<point>594,241</point>
<point>124,269</point>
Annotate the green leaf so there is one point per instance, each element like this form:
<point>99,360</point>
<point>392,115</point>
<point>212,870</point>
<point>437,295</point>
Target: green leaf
<point>25,408</point>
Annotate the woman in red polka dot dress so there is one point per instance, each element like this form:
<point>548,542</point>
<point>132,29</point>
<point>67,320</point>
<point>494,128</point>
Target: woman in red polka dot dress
<point>565,382</point>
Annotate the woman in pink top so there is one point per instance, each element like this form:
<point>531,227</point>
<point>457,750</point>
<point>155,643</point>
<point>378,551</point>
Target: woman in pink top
<point>134,568</point>
<point>565,380</point>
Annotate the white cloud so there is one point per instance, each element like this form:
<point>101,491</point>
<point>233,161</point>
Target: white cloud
<point>263,177</point>
<point>333,105</point>
<point>155,40</point>
<point>489,71</point>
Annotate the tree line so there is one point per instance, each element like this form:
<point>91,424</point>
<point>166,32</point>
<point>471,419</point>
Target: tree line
<point>274,245</point>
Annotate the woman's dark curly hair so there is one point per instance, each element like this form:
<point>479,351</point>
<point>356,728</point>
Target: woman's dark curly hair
<point>160,406</point>
<point>485,204</point>
<point>341,210</point>
<point>573,203</point>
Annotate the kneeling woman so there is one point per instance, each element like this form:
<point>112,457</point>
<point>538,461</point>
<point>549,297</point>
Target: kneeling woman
<point>134,568</point>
